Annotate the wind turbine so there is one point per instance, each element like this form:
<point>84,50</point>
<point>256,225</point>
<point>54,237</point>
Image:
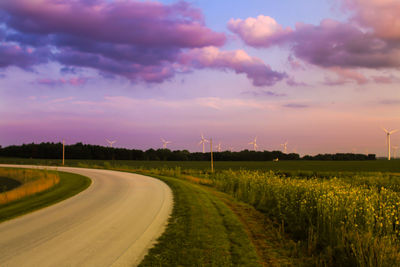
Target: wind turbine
<point>388,133</point>
<point>203,141</point>
<point>111,142</point>
<point>395,148</point>
<point>254,143</point>
<point>219,147</point>
<point>284,145</point>
<point>165,143</point>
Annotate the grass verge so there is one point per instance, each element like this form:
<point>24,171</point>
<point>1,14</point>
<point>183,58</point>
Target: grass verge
<point>202,231</point>
<point>273,246</point>
<point>69,185</point>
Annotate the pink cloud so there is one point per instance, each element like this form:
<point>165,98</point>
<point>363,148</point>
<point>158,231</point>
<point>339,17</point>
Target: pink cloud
<point>61,99</point>
<point>260,31</point>
<point>139,40</point>
<point>385,79</point>
<point>22,57</point>
<point>104,21</point>
<point>329,44</point>
<point>238,61</point>
<point>295,64</point>
<point>74,81</point>
<point>296,105</point>
<point>346,75</point>
<point>380,15</point>
<point>292,82</point>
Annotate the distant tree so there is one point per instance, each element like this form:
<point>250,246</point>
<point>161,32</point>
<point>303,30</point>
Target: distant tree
<point>85,151</point>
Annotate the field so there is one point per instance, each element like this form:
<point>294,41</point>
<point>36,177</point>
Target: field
<point>310,166</point>
<point>352,220</point>
<point>336,213</point>
<point>341,219</point>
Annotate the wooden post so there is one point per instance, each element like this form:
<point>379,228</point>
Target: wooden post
<point>63,152</point>
<point>212,160</point>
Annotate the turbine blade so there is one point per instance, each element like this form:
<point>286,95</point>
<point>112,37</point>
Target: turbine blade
<point>393,131</point>
<point>386,131</point>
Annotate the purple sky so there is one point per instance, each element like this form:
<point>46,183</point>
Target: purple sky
<point>320,74</point>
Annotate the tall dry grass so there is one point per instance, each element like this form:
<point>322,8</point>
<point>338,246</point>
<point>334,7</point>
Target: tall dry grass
<point>33,181</point>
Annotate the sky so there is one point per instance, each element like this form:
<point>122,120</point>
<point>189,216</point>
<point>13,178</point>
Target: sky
<point>322,75</point>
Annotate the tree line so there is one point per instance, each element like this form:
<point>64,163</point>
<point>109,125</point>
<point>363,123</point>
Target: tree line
<point>86,151</point>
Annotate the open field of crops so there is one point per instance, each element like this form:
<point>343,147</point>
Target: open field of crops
<point>349,221</point>
<point>352,222</point>
<point>300,165</point>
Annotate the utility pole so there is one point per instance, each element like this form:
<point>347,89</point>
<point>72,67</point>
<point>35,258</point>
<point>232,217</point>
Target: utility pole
<point>63,152</point>
<point>212,161</point>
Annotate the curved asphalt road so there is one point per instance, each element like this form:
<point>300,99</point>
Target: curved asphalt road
<point>112,223</point>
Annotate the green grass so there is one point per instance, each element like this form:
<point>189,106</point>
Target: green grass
<point>202,231</point>
<point>311,166</point>
<point>69,185</point>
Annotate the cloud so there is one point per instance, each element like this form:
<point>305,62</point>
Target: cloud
<point>239,61</point>
<point>295,64</point>
<point>334,82</point>
<point>68,70</point>
<point>380,15</point>
<point>140,40</point>
<point>263,93</point>
<point>119,22</point>
<point>292,82</point>
<point>385,79</point>
<point>74,81</point>
<point>296,106</point>
<point>390,102</point>
<point>125,104</point>
<point>61,100</point>
<point>332,43</point>
<point>15,55</point>
<point>345,76</point>
<point>261,31</point>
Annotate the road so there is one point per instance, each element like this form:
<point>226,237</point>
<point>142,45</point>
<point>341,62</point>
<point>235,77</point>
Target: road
<point>112,223</point>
